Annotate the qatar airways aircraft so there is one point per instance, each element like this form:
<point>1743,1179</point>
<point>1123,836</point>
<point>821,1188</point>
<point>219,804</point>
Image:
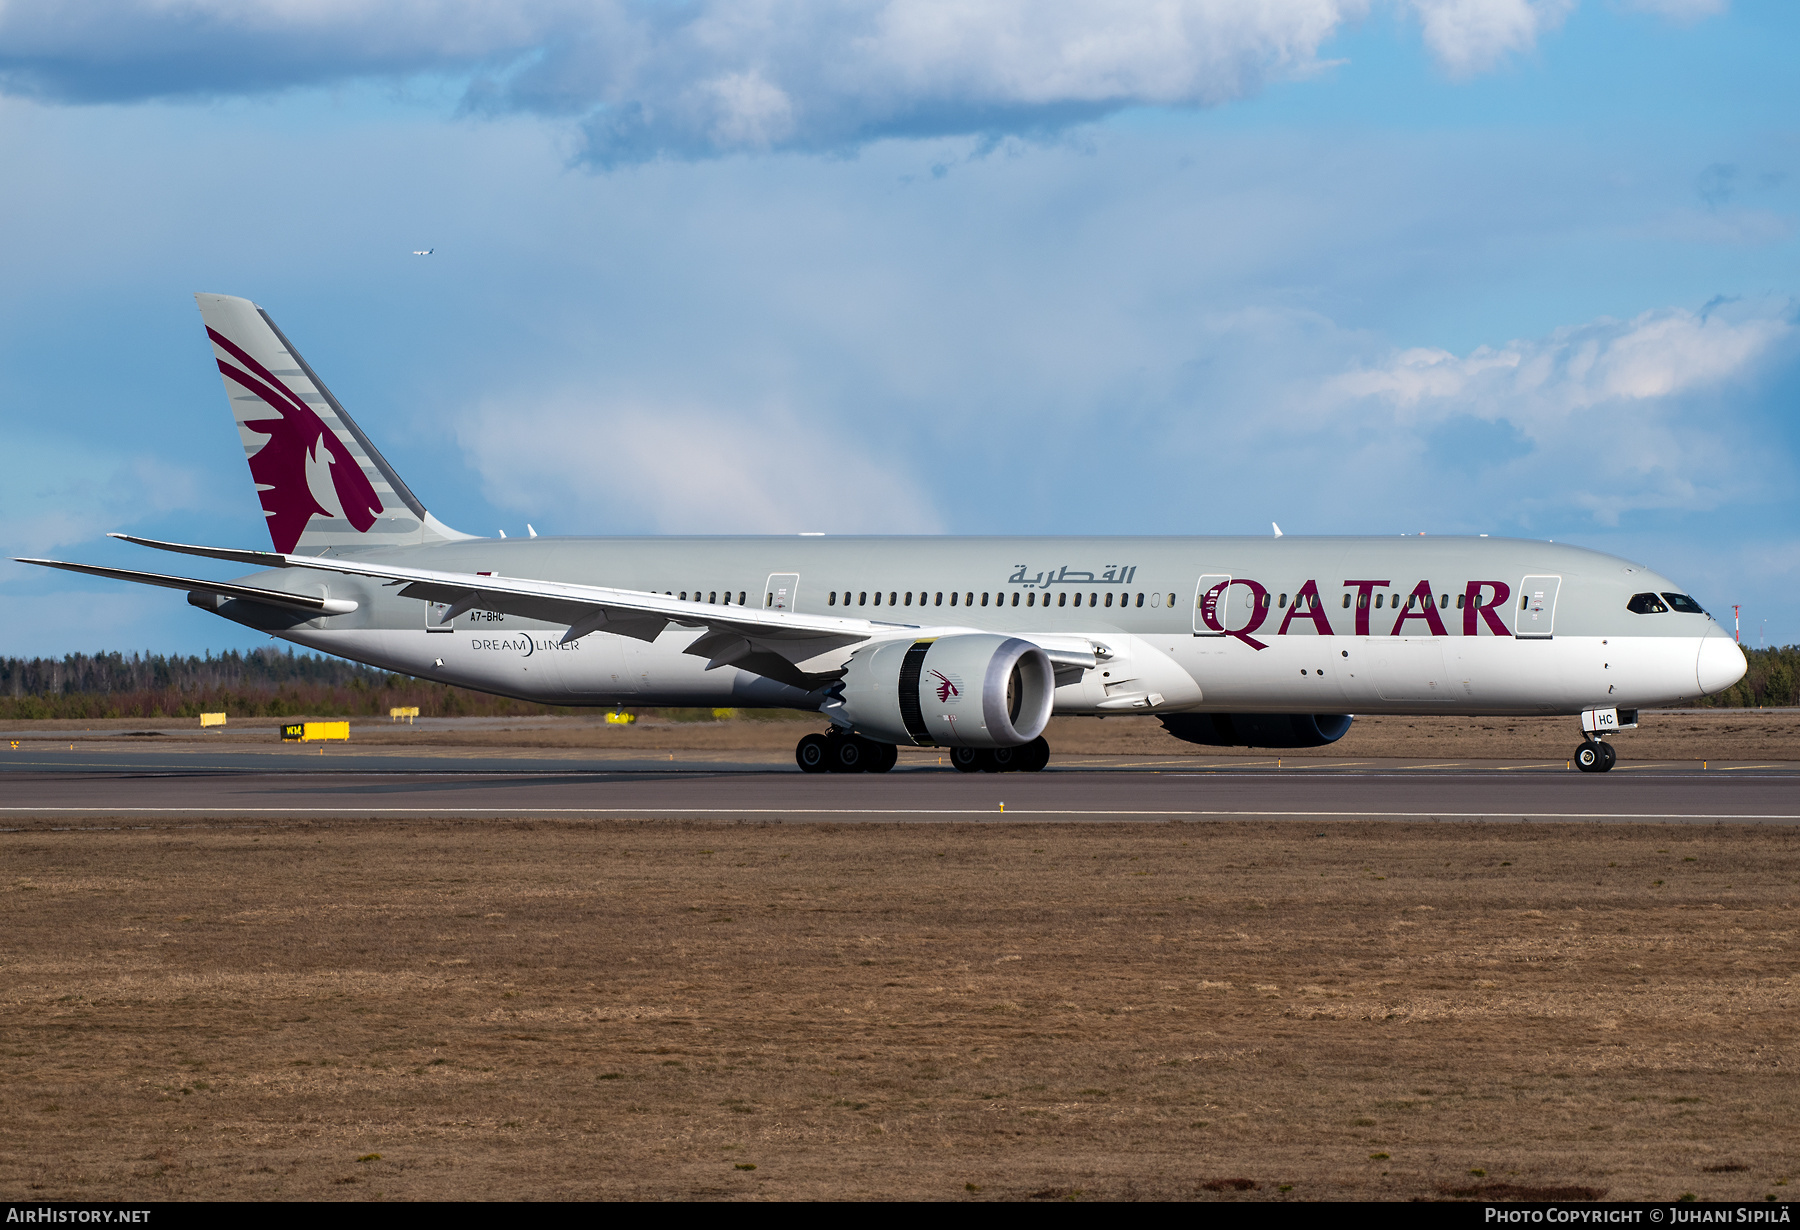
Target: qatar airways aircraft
<point>969,644</point>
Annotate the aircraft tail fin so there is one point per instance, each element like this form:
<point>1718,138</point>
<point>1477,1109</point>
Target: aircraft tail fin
<point>324,486</point>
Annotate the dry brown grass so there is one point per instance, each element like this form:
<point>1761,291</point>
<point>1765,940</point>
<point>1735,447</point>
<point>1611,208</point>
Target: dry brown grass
<point>1698,734</point>
<point>650,1010</point>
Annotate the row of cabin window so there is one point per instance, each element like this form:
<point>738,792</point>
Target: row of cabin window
<point>1413,601</point>
<point>712,596</point>
<point>1362,601</point>
<point>896,598</point>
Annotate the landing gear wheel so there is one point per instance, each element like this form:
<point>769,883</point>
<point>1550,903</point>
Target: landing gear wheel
<point>883,757</point>
<point>1033,756</point>
<point>1004,759</point>
<point>1595,757</point>
<point>810,754</point>
<point>847,754</point>
<point>971,760</point>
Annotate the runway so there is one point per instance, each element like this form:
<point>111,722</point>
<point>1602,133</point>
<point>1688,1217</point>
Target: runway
<point>53,783</point>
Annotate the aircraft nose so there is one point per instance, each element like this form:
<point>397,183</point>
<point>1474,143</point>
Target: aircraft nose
<point>1720,665</point>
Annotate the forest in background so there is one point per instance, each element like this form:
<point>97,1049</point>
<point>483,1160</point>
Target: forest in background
<point>261,683</point>
<point>273,683</point>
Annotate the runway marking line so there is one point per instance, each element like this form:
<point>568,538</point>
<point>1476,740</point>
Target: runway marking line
<point>885,811</point>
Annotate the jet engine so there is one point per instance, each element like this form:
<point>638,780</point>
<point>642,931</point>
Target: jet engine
<point>1274,730</point>
<point>966,690</point>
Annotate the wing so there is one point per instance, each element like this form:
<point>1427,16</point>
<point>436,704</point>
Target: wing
<point>796,649</point>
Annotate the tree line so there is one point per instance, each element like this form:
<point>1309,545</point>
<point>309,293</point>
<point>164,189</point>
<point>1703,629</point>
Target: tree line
<point>272,683</point>
<point>261,683</point>
<point>1772,682</point>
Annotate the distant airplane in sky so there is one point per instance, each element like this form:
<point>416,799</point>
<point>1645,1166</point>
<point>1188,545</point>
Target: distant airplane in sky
<point>969,644</point>
<point>423,251</point>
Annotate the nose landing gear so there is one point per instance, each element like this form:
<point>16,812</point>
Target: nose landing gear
<point>1595,756</point>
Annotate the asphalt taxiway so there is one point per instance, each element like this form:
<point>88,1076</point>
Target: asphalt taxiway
<point>81,781</point>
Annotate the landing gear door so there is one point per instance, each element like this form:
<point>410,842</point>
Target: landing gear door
<point>1209,604</point>
<point>781,591</point>
<point>1535,616</point>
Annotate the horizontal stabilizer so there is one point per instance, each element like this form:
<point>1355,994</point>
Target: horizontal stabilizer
<point>268,597</point>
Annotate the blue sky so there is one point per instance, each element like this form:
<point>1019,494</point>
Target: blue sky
<point>1461,266</point>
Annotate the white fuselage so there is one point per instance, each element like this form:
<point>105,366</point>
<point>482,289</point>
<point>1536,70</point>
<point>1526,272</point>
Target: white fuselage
<point>1220,625</point>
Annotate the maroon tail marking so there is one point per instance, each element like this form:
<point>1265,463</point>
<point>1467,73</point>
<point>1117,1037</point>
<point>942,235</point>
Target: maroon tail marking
<point>280,464</point>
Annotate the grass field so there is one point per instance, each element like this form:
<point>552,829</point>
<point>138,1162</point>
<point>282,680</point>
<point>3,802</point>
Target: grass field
<point>1223,1011</point>
<point>1691,734</point>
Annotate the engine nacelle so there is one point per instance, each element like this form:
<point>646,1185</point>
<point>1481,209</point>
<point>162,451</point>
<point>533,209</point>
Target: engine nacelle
<point>967,690</point>
<point>1272,730</point>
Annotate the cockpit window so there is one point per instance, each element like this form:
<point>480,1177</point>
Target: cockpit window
<point>1646,604</point>
<point>1684,604</point>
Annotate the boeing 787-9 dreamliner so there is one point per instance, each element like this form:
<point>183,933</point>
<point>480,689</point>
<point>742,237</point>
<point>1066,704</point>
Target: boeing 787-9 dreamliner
<point>969,644</point>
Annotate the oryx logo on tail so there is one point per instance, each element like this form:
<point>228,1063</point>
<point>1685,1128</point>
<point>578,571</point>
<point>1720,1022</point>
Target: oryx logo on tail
<point>302,469</point>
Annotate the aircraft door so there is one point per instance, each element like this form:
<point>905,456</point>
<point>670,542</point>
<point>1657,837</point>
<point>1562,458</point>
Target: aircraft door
<point>781,591</point>
<point>1209,599</point>
<point>1535,616</point>
<point>434,617</point>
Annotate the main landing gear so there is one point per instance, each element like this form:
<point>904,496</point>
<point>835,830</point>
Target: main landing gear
<point>836,752</point>
<point>1027,758</point>
<point>1595,756</point>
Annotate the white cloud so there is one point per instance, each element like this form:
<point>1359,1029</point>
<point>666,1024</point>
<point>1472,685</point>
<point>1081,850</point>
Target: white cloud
<point>1618,414</point>
<point>647,79</point>
<point>1681,10</point>
<point>570,463</point>
<point>1471,36</point>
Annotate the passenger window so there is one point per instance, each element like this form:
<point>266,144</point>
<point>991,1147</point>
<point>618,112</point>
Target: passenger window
<point>969,599</point>
<point>1346,602</point>
<point>940,600</point>
<point>1444,605</point>
<point>1171,599</point>
<point>1109,599</point>
<point>984,599</point>
<point>1155,600</point>
<point>1378,598</point>
<point>1459,601</point>
<point>1684,604</point>
<point>862,599</point>
<point>1093,599</point>
<point>714,597</point>
<point>831,598</point>
<point>740,597</point>
<point>684,595</point>
<point>877,597</point>
<point>1646,604</point>
<point>1282,602</point>
<point>1140,600</point>
<point>953,599</point>
<point>909,597</point>
<point>1062,599</point>
<point>1077,599</point>
<point>1263,602</point>
<point>1015,600</point>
